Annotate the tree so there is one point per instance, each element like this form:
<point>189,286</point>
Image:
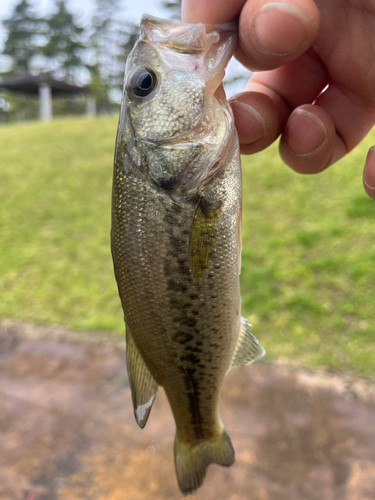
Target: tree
<point>173,7</point>
<point>65,47</point>
<point>112,39</point>
<point>25,37</point>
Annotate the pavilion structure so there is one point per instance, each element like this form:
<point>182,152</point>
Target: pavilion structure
<point>47,87</point>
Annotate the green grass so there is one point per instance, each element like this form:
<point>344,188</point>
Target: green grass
<point>308,271</point>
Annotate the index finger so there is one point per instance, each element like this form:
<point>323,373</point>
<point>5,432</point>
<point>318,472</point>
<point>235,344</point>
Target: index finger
<point>210,11</point>
<point>271,34</point>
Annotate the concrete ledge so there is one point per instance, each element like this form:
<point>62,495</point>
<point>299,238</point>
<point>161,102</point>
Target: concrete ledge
<point>67,429</point>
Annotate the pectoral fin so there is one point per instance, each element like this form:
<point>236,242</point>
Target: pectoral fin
<point>143,385</point>
<point>203,236</point>
<point>248,348</point>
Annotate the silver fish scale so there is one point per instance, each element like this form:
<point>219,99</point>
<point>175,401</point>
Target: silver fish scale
<point>185,327</point>
<point>171,116</point>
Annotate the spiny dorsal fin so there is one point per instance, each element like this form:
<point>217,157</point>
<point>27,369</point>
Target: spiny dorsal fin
<point>248,348</point>
<point>143,385</point>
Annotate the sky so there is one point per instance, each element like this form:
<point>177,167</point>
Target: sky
<point>132,10</point>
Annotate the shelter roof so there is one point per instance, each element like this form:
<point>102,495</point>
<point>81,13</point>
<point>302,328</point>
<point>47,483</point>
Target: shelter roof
<point>30,85</point>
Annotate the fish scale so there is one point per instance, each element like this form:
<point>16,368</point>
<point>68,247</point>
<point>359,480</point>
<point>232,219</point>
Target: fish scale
<point>176,239</point>
<point>155,267</point>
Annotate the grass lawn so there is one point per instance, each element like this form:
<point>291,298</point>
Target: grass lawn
<point>308,268</point>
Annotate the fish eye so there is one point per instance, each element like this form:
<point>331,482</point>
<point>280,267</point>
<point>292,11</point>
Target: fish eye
<point>142,82</point>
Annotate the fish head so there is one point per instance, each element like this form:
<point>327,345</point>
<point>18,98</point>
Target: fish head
<point>175,121</point>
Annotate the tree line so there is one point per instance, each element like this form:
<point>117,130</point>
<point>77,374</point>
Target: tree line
<point>57,44</point>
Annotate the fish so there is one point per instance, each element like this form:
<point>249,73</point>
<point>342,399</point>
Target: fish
<point>176,235</point>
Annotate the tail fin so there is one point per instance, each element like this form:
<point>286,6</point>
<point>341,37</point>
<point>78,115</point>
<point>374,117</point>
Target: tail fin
<point>192,460</point>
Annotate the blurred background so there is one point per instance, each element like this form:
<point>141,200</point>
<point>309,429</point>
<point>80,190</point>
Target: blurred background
<point>302,421</point>
<point>83,44</point>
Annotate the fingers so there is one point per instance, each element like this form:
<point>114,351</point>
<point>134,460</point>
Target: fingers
<point>313,136</point>
<point>275,33</point>
<point>270,33</point>
<point>369,173</point>
<point>309,143</point>
<point>288,87</point>
<point>274,37</point>
<point>317,136</point>
<point>210,11</point>
<point>256,123</point>
<point>353,117</point>
<point>298,82</point>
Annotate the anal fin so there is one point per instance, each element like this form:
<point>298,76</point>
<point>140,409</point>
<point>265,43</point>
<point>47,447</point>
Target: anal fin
<point>142,384</point>
<point>248,348</point>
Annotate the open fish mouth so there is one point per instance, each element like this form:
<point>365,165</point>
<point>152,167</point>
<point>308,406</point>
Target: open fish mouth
<point>214,44</point>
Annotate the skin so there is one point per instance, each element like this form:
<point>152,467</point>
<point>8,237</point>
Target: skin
<point>300,46</point>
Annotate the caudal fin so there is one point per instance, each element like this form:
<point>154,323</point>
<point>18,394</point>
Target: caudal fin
<point>191,461</point>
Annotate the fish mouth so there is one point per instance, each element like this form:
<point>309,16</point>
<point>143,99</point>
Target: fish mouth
<point>213,44</point>
<point>183,37</point>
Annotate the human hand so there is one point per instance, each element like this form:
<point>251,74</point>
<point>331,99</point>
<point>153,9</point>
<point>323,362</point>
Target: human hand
<point>300,47</point>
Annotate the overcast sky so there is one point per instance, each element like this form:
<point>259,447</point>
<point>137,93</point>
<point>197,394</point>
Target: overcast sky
<point>83,9</point>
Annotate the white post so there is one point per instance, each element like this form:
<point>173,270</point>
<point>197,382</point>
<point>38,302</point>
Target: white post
<point>91,106</point>
<point>45,98</point>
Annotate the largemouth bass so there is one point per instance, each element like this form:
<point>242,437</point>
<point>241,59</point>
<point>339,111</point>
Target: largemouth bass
<point>176,235</point>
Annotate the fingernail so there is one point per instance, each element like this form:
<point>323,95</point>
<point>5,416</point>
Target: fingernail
<point>305,132</point>
<point>250,124</point>
<point>369,173</point>
<point>281,28</point>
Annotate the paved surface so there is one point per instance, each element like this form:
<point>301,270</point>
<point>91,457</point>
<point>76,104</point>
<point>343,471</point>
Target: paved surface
<point>67,430</point>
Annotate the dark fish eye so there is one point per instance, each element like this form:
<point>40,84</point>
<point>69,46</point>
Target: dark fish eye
<point>142,82</point>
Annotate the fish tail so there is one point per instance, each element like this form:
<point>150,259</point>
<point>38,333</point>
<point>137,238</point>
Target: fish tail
<point>192,460</point>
